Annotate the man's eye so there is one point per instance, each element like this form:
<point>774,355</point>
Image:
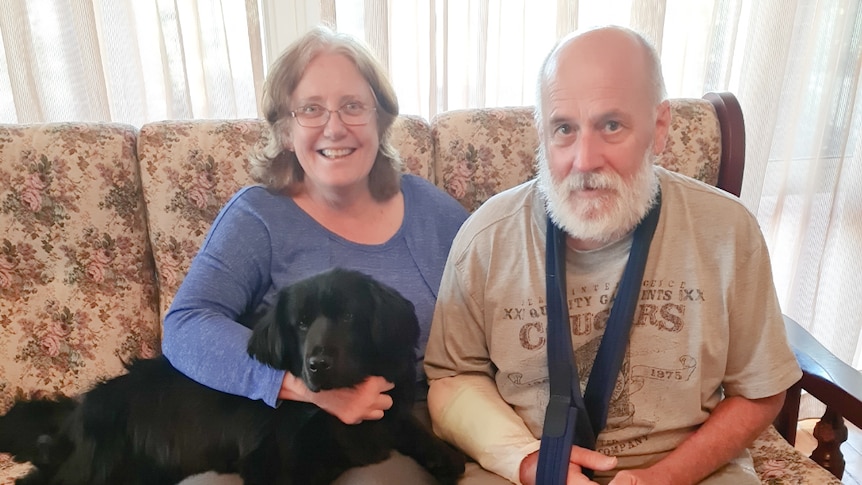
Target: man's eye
<point>612,126</point>
<point>563,130</point>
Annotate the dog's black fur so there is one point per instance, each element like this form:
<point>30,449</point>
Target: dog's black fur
<point>155,426</point>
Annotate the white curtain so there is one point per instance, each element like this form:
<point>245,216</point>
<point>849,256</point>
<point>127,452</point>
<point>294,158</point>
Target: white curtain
<point>794,65</point>
<point>129,61</point>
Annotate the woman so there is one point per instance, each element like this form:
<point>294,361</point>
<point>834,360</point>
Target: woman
<point>331,194</point>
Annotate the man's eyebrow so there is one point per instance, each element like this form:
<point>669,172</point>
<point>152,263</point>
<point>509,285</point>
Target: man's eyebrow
<point>557,119</point>
<point>613,114</point>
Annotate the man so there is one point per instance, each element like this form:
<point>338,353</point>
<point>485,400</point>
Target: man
<point>707,362</point>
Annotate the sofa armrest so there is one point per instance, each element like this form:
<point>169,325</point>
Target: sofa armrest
<point>832,382</point>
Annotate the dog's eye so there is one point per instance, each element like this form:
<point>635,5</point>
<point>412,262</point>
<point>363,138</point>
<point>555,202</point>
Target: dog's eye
<point>303,324</point>
<point>347,317</point>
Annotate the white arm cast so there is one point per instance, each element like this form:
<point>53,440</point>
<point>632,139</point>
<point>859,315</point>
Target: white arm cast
<point>467,411</point>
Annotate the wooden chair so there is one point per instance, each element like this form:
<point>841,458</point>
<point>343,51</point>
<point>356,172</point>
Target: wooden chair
<point>824,376</point>
<point>832,382</point>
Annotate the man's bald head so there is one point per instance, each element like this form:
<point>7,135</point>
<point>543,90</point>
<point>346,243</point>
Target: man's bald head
<point>611,48</point>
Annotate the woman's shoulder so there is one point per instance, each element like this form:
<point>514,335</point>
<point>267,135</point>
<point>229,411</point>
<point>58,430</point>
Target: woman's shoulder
<point>429,210</point>
<point>253,193</point>
<point>256,197</point>
<point>255,203</point>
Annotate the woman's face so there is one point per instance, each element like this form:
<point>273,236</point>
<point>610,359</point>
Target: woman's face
<point>335,156</point>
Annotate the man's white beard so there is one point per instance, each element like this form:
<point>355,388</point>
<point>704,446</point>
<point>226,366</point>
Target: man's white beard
<point>607,218</point>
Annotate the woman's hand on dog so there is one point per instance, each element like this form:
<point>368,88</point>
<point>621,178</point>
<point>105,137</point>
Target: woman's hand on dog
<point>352,405</point>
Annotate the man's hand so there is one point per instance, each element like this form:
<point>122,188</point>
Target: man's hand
<point>352,405</point>
<point>578,459</point>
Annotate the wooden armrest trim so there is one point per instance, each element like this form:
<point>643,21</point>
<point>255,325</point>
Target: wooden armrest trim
<point>825,376</point>
<point>732,124</point>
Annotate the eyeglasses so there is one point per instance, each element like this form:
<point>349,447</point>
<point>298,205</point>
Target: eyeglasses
<point>315,115</point>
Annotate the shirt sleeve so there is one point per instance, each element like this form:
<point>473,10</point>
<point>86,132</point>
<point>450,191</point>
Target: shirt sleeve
<point>760,362</point>
<point>465,405</point>
<point>202,337</point>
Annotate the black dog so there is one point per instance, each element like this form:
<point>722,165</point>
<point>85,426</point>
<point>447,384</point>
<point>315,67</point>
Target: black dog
<point>155,426</point>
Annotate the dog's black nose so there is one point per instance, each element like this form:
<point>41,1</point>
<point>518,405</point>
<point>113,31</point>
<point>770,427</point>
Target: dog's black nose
<point>319,363</point>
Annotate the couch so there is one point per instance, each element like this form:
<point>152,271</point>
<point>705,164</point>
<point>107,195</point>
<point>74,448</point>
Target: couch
<point>101,220</point>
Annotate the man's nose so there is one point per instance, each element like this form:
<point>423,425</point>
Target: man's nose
<point>587,152</point>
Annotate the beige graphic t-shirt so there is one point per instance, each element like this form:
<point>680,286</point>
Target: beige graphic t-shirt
<point>707,321</point>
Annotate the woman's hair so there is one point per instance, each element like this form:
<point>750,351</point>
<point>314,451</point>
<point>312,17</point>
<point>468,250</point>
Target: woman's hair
<point>277,167</point>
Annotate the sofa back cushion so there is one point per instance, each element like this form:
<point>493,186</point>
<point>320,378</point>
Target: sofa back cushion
<point>480,152</point>
<point>77,284</point>
<point>191,168</point>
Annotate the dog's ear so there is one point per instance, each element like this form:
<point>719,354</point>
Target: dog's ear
<point>394,325</point>
<point>273,339</point>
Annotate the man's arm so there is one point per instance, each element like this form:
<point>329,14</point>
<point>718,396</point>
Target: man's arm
<point>733,425</point>
<point>467,411</point>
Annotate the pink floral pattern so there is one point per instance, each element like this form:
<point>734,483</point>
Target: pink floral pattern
<point>190,169</point>
<point>481,152</point>
<point>411,136</point>
<point>78,288</point>
<point>76,272</point>
<point>778,463</point>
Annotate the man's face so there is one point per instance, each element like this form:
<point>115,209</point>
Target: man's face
<point>600,133</point>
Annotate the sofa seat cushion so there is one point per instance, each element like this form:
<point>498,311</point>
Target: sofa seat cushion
<point>776,462</point>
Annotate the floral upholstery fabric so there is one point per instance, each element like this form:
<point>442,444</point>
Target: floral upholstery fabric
<point>778,463</point>
<point>483,151</point>
<point>480,152</point>
<point>189,170</point>
<point>79,290</point>
<point>693,143</point>
<point>76,274</point>
<point>411,136</point>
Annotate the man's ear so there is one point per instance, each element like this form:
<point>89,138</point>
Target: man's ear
<point>662,126</point>
<point>273,339</point>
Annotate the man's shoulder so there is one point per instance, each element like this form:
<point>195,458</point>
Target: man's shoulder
<point>499,208</point>
<point>509,214</point>
<point>687,202</point>
<point>678,186</point>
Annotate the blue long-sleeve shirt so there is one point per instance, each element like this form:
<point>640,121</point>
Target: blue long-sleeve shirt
<point>261,242</point>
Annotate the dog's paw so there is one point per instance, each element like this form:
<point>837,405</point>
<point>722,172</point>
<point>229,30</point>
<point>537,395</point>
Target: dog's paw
<point>446,465</point>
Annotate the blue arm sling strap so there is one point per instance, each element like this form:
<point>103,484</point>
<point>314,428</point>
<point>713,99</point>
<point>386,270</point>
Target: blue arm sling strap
<point>571,418</point>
